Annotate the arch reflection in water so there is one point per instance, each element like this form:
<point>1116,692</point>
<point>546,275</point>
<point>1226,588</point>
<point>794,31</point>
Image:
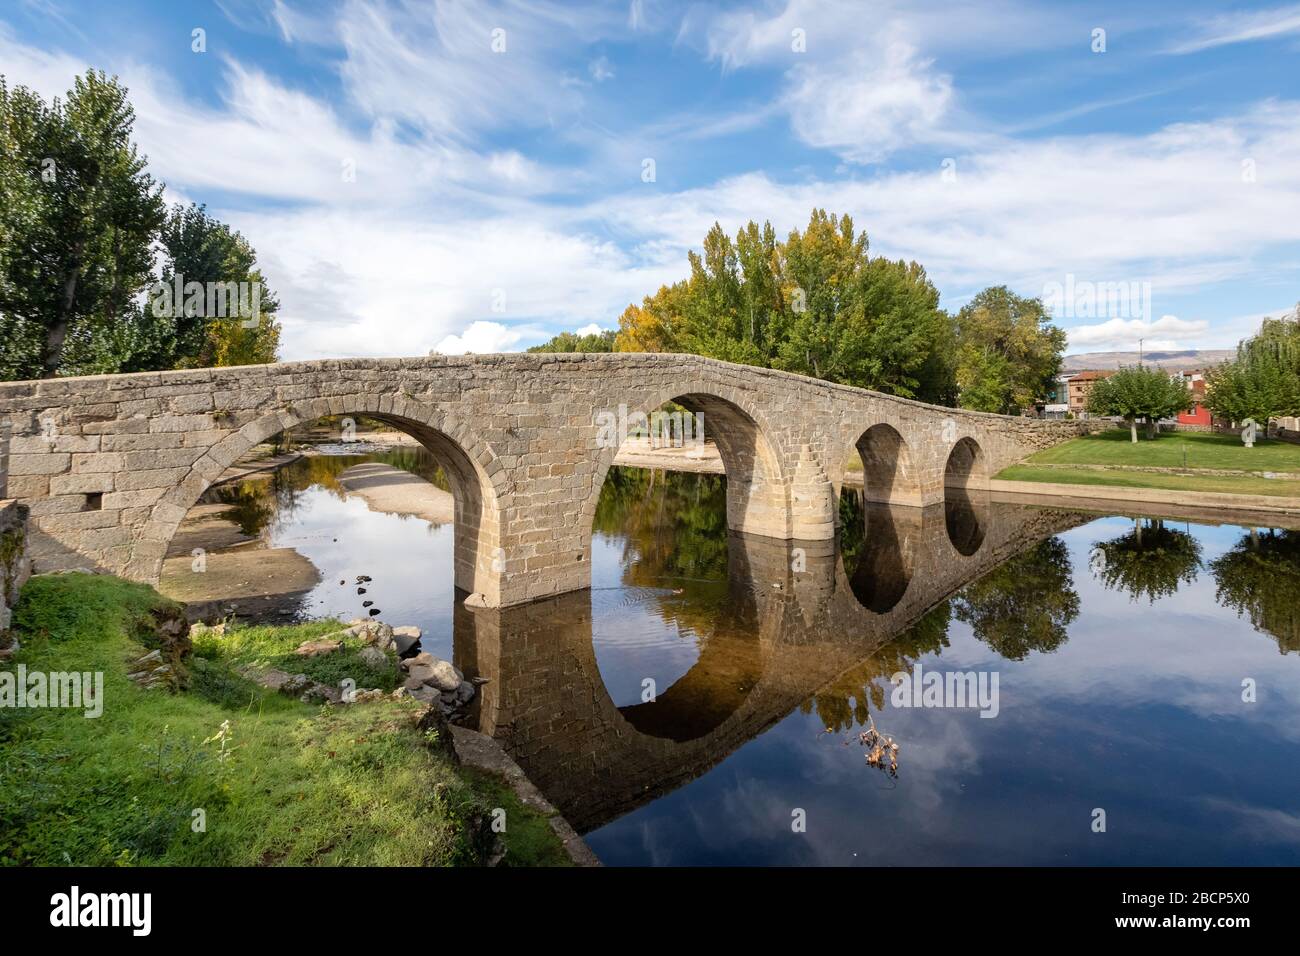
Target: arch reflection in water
<point>774,636</point>
<point>965,516</point>
<point>877,542</point>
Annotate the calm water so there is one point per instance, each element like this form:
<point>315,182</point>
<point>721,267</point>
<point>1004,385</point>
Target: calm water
<point>707,695</point>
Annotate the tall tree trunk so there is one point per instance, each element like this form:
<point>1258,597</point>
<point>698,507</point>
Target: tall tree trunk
<point>57,332</point>
<point>1133,429</point>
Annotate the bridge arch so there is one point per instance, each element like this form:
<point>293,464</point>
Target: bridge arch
<point>758,498</point>
<point>477,489</point>
<point>966,466</point>
<point>888,474</point>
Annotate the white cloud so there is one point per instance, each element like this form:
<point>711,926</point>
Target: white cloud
<point>1167,332</point>
<point>480,337</point>
<point>592,329</point>
<point>1242,26</point>
<point>600,69</point>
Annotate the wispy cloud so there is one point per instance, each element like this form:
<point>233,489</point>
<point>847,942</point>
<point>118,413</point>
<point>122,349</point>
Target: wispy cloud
<point>1242,26</point>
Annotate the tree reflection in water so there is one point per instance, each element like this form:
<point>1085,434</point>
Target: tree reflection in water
<point>1151,561</point>
<point>1260,578</point>
<point>1025,604</point>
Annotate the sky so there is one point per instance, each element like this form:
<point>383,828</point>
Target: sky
<point>478,176</point>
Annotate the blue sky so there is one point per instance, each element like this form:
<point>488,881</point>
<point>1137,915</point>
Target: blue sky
<point>500,195</point>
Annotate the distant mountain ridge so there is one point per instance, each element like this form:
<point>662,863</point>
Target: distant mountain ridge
<point>1174,361</point>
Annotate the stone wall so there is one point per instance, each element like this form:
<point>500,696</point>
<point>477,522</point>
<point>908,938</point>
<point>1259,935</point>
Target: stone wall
<point>15,563</point>
<point>110,464</point>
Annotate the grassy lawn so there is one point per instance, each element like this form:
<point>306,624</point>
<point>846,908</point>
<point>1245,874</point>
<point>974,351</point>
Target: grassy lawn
<point>297,784</point>
<point>1137,479</point>
<point>1204,450</point>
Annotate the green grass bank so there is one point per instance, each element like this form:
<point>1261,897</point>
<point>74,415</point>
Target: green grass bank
<point>1177,461</point>
<point>226,772</point>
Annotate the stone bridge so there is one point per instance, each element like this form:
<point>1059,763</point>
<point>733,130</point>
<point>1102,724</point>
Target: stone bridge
<point>783,636</point>
<point>109,465</point>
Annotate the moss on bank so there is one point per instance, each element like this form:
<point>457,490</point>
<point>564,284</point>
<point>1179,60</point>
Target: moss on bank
<point>155,781</point>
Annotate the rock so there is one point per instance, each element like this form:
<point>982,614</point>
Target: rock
<point>405,639</point>
<point>10,649</point>
<point>374,632</point>
<point>320,694</point>
<point>422,659</point>
<point>362,578</point>
<point>367,603</point>
<point>295,684</point>
<point>464,693</point>
<point>444,676</point>
<point>373,656</point>
<point>425,695</point>
<point>437,733</point>
<point>168,631</point>
<point>361,590</point>
<point>210,630</point>
<point>421,674</point>
<point>317,647</point>
<point>368,696</point>
<point>375,610</point>
<point>476,600</point>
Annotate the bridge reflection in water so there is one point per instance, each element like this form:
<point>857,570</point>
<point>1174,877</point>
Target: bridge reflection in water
<point>793,621</point>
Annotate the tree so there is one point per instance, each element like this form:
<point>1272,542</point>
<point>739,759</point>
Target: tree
<point>80,223</point>
<point>201,249</point>
<point>86,214</point>
<point>1139,392</point>
<point>1007,351</point>
<point>816,304</point>
<point>572,342</point>
<point>1263,381</point>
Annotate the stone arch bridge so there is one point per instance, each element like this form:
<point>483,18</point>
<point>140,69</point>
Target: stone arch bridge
<point>109,465</point>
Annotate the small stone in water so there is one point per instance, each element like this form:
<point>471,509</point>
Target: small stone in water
<point>374,611</point>
<point>361,590</point>
<point>367,603</point>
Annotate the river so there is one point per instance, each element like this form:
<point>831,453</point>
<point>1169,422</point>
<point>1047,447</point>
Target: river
<point>1133,684</point>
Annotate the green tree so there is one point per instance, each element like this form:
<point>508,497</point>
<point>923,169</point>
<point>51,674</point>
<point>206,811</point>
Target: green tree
<point>816,304</point>
<point>1139,392</point>
<point>201,249</point>
<point>1007,352</point>
<point>572,342</point>
<point>79,236</point>
<point>1263,381</point>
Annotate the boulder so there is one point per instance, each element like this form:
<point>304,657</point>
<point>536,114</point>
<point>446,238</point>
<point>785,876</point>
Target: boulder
<point>444,676</point>
<point>405,639</point>
<point>373,656</point>
<point>367,696</point>
<point>422,659</point>
<point>317,647</point>
<point>464,693</point>
<point>421,674</point>
<point>295,684</point>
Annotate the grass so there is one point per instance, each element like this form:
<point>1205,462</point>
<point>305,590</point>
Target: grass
<point>298,784</point>
<point>1203,449</point>
<point>1244,485</point>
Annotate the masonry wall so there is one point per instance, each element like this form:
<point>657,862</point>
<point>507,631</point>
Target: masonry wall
<point>108,465</point>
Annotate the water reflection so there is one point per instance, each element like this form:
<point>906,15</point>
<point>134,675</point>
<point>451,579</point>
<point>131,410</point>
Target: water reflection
<point>964,515</point>
<point>755,648</point>
<point>1260,578</point>
<point>1151,561</point>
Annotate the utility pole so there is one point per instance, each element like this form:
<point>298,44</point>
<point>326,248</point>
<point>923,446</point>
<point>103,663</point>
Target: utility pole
<point>1140,341</point>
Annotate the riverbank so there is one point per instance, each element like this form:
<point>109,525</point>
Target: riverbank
<point>1201,469</point>
<point>192,763</point>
